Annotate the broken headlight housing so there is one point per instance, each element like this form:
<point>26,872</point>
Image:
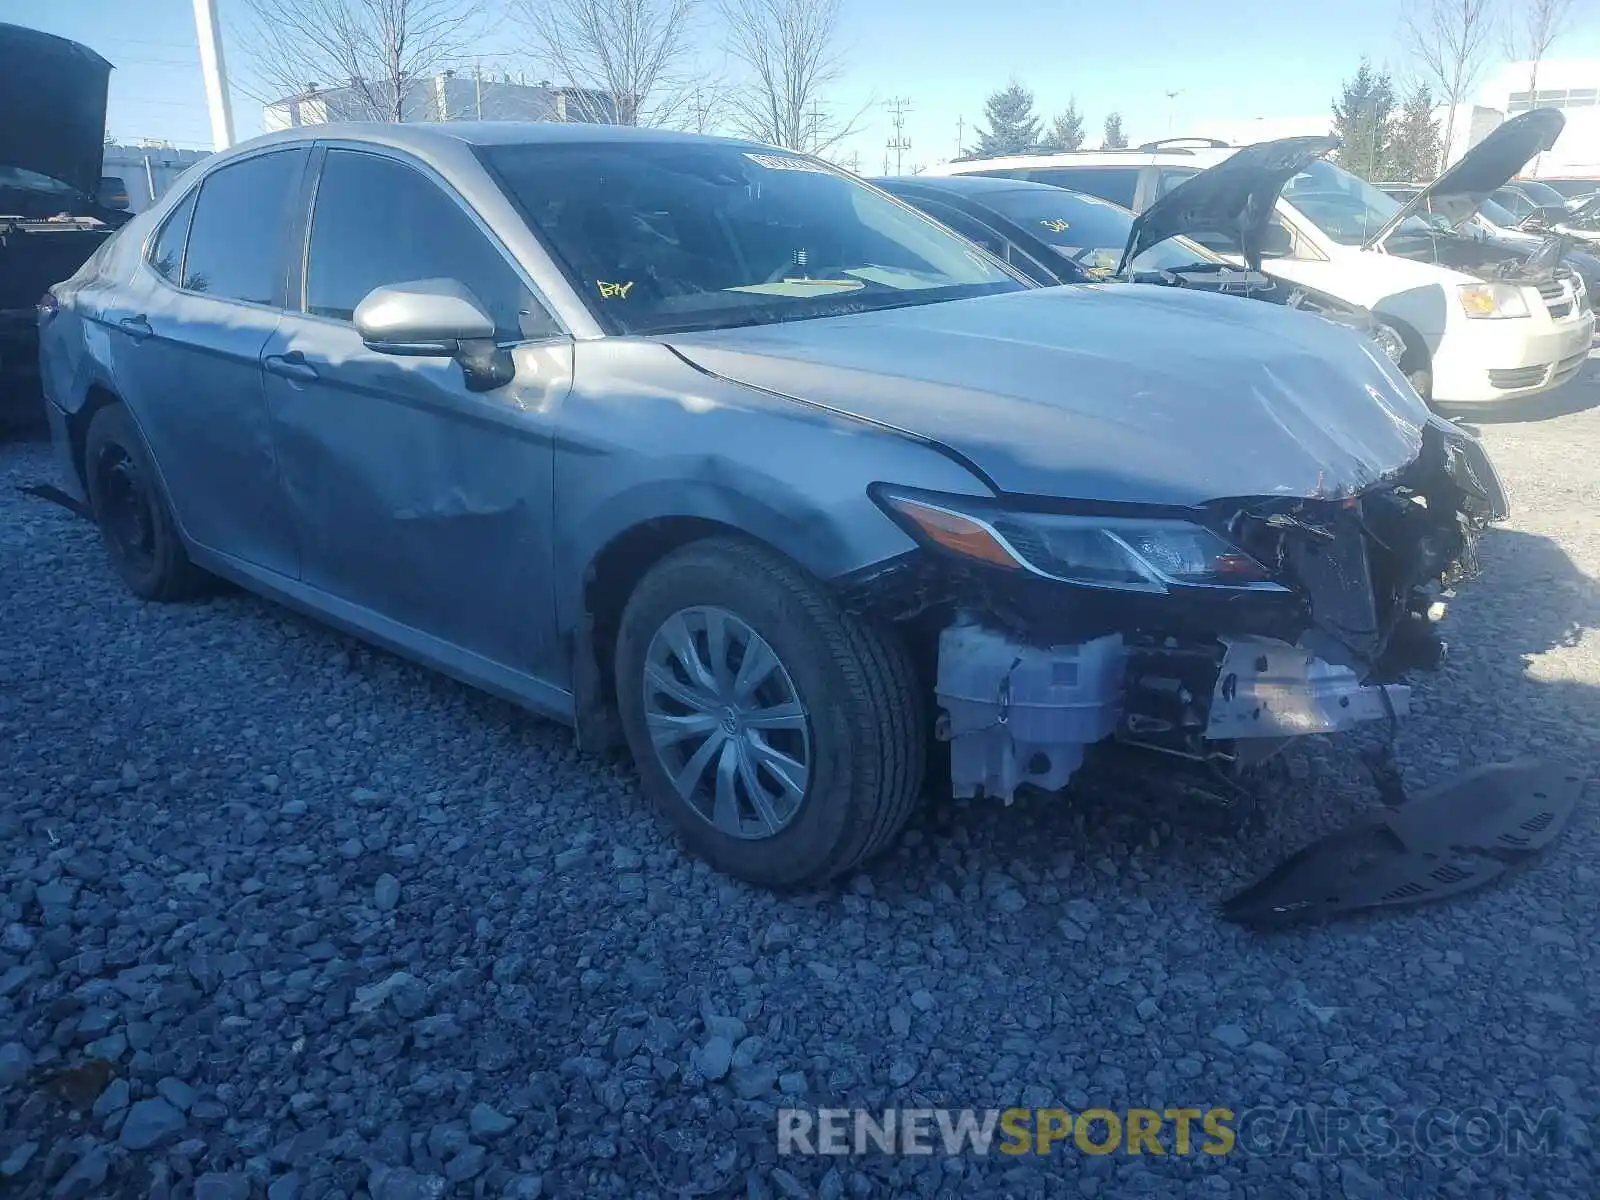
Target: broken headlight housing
<point>1142,554</point>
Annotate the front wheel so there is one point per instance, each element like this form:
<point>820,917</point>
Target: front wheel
<point>784,738</point>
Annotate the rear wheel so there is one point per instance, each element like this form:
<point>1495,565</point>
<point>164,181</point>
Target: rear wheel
<point>784,738</point>
<point>136,524</point>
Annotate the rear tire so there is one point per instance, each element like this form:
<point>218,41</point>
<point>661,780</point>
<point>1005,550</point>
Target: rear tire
<point>838,710</point>
<point>135,520</point>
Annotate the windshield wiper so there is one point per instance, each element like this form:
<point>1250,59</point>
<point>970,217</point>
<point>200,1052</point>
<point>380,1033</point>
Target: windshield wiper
<point>803,311</point>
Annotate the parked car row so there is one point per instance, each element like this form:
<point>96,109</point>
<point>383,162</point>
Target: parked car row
<point>1483,322</point>
<point>718,451</point>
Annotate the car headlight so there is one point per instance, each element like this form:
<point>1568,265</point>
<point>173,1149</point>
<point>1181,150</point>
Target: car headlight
<point>1493,301</point>
<point>1142,554</point>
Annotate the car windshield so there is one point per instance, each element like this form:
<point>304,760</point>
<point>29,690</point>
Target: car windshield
<point>1542,194</point>
<point>1089,231</point>
<point>701,235</point>
<point>1348,209</point>
<point>31,181</point>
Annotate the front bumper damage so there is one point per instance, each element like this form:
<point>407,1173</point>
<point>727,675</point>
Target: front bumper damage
<point>1030,673</point>
<point>1034,676</point>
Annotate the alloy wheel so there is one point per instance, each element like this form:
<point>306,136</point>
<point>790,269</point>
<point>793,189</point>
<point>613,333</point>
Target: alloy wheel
<point>726,722</point>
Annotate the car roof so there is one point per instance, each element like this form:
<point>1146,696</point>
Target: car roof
<point>1198,157</point>
<point>427,135</point>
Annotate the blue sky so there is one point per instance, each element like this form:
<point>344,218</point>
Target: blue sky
<point>1230,60</point>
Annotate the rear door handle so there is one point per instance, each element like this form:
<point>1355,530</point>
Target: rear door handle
<point>292,365</point>
<point>135,327</point>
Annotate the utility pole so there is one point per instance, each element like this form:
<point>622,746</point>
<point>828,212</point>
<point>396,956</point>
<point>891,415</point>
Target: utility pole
<point>215,72</point>
<point>1171,106</point>
<point>961,129</point>
<point>898,143</point>
<point>477,80</point>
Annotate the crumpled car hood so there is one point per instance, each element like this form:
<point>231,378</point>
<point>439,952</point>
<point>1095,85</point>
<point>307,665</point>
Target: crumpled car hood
<point>1460,192</point>
<point>53,95</point>
<point>1234,199</point>
<point>1123,393</point>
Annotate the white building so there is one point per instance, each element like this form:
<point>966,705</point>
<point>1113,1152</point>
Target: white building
<point>450,96</point>
<point>148,169</point>
<point>1569,84</point>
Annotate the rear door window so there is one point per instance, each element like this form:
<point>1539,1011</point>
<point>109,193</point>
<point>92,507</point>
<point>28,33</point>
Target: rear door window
<point>239,229</point>
<point>380,222</point>
<point>1168,178</point>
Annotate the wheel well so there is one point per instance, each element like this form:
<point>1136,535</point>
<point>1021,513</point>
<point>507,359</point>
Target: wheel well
<point>78,426</point>
<point>618,567</point>
<point>1417,352</point>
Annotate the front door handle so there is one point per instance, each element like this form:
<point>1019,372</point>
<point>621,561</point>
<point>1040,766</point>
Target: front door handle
<point>292,365</point>
<point>135,327</point>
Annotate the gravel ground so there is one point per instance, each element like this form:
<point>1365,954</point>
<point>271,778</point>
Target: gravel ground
<point>283,916</point>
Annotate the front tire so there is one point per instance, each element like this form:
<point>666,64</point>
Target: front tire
<point>784,738</point>
<point>136,523</point>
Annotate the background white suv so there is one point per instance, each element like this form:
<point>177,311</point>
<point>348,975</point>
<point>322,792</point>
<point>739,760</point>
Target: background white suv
<point>1481,325</point>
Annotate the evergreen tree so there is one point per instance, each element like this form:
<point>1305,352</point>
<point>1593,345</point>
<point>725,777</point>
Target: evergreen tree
<point>1115,138</point>
<point>1013,126</point>
<point>1066,131</point>
<point>1362,119</point>
<point>1416,145</point>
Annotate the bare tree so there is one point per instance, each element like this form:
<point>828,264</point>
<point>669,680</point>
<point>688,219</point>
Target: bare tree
<point>705,107</point>
<point>789,51</point>
<point>378,50</point>
<point>1532,27</point>
<point>629,55</point>
<point>1449,40</point>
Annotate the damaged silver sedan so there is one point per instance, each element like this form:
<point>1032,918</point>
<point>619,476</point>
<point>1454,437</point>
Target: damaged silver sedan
<point>716,451</point>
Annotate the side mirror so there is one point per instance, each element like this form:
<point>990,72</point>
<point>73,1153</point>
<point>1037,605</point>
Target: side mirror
<point>1276,242</point>
<point>435,318</point>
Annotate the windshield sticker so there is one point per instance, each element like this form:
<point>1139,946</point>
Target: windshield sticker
<point>614,291</point>
<point>782,162</point>
<point>1056,225</point>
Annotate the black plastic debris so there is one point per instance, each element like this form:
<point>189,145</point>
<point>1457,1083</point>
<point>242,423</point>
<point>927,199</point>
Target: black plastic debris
<point>50,492</point>
<point>1443,842</point>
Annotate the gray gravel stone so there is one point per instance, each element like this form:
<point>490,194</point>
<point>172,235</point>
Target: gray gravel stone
<point>486,1122</point>
<point>15,1062</point>
<point>113,1099</point>
<point>386,892</point>
<point>16,1162</point>
<point>150,1123</point>
<point>714,1057</point>
<point>85,1177</point>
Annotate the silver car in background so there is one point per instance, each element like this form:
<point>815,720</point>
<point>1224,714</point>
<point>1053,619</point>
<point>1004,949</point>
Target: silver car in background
<point>715,450</point>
